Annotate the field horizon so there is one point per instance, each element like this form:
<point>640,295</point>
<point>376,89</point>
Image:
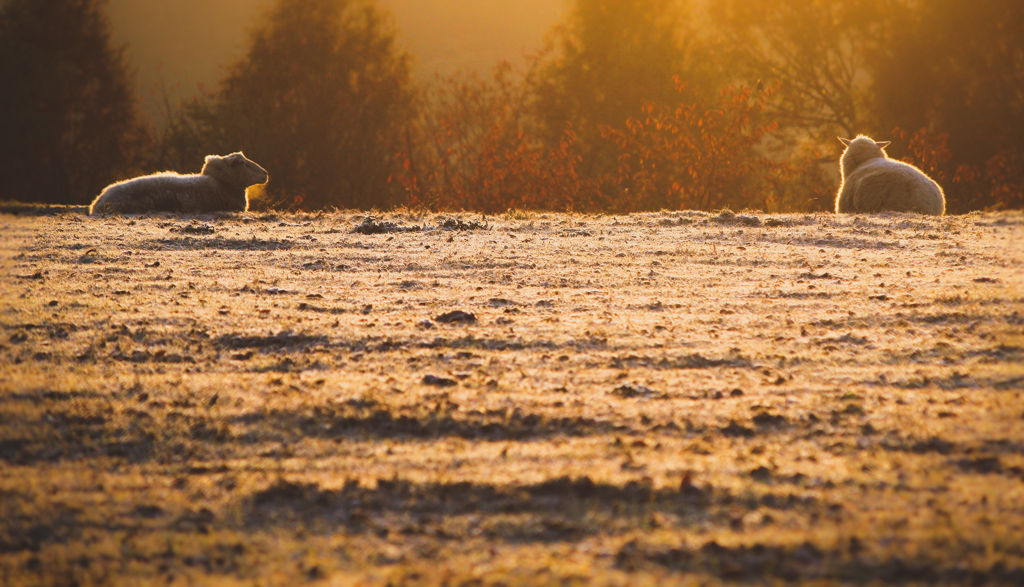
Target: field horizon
<point>531,398</point>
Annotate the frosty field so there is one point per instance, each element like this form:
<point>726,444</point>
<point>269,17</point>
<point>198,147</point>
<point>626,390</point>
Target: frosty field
<point>672,398</point>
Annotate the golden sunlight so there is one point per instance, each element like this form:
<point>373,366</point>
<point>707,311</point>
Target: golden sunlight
<point>518,292</point>
<point>169,45</point>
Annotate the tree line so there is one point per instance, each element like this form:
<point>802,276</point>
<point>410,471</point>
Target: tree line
<point>632,105</point>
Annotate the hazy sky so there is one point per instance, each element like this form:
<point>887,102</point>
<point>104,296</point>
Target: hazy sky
<point>186,43</point>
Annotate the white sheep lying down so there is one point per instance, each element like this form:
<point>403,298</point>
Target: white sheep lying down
<point>872,182</point>
<point>220,187</point>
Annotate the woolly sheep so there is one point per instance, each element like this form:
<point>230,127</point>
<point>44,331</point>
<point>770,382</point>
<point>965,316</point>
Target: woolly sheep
<point>872,182</point>
<point>220,187</point>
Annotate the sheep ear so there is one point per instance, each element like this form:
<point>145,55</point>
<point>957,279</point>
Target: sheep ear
<point>845,141</point>
<point>883,144</point>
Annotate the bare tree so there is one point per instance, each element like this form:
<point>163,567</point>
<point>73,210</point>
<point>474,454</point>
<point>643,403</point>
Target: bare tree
<point>819,49</point>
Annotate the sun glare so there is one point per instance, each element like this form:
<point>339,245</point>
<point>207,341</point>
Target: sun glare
<point>171,47</point>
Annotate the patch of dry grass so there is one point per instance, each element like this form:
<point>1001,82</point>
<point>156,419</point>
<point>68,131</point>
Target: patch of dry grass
<point>675,397</point>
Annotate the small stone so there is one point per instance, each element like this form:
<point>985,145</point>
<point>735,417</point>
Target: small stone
<point>439,381</point>
<point>456,317</point>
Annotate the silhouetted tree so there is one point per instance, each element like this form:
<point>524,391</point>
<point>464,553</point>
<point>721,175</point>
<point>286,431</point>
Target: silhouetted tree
<point>605,61</point>
<point>322,101</point>
<point>68,125</point>
<point>956,69</point>
<point>947,75</point>
<point>820,51</point>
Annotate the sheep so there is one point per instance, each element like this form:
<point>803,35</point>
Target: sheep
<point>220,187</point>
<point>872,182</point>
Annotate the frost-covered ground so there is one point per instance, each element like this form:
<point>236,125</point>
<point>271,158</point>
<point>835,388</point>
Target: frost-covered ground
<point>610,399</point>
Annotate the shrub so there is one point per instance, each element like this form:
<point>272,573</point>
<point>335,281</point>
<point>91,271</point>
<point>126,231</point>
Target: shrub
<point>478,151</point>
<point>686,156</point>
<point>996,185</point>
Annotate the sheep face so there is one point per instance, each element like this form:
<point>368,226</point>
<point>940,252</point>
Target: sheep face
<point>235,170</point>
<point>860,150</point>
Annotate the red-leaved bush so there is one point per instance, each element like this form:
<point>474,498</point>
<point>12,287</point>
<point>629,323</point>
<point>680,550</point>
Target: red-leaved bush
<point>687,156</point>
<point>998,185</point>
<point>478,152</point>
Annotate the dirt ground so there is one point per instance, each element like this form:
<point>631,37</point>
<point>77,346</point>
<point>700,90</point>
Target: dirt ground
<point>672,398</point>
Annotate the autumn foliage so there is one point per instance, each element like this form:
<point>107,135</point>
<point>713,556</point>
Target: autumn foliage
<point>680,156</point>
<point>477,152</point>
<point>632,105</point>
<point>998,184</point>
<point>483,154</point>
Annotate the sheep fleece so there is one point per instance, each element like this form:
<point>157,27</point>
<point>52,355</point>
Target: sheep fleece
<point>220,187</point>
<point>872,183</point>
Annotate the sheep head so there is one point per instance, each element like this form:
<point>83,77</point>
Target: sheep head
<point>235,169</point>
<point>860,150</point>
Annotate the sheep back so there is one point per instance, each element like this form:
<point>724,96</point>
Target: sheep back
<point>874,183</point>
<point>221,187</point>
